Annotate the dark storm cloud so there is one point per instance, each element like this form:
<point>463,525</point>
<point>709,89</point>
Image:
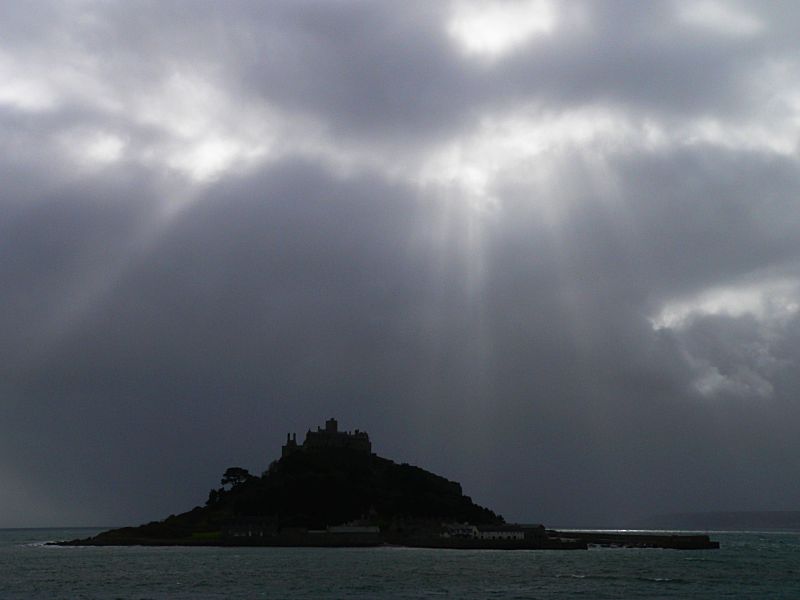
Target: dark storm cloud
<point>382,69</point>
<point>600,328</point>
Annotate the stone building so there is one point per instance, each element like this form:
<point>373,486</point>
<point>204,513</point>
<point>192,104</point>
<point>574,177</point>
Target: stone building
<point>329,437</point>
<point>500,532</point>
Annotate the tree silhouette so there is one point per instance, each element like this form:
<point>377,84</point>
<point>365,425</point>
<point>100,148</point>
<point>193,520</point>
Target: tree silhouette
<point>235,476</point>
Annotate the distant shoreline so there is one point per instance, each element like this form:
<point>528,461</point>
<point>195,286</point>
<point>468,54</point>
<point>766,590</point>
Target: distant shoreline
<point>787,520</point>
<point>554,540</point>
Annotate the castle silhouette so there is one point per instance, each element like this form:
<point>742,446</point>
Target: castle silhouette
<point>330,437</point>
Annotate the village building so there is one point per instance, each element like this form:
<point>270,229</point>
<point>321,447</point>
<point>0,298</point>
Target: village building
<point>500,532</point>
<point>459,530</point>
<point>249,527</point>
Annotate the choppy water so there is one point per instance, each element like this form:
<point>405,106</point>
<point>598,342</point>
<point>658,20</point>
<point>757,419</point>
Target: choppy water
<point>749,565</point>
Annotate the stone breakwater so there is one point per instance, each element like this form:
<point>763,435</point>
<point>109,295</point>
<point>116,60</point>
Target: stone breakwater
<point>620,539</point>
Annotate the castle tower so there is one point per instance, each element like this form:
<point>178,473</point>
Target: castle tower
<point>290,445</point>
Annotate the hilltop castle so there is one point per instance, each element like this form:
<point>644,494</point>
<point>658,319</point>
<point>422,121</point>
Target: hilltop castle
<point>330,437</point>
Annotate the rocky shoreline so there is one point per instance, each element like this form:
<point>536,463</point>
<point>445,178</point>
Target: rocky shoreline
<point>553,540</point>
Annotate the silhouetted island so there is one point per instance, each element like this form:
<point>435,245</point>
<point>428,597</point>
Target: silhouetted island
<point>332,490</point>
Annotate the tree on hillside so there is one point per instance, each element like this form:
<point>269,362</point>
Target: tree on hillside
<point>234,476</point>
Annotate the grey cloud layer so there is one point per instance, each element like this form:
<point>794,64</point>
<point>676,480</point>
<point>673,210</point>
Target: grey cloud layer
<point>163,322</point>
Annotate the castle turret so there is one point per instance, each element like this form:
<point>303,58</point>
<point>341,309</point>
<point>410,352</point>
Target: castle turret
<point>290,446</point>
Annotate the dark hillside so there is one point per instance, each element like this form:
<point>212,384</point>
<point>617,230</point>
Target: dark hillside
<point>317,488</point>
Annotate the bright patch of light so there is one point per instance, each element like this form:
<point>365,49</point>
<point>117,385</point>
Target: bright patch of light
<point>530,146</point>
<point>37,83</point>
<point>91,148</point>
<point>23,91</point>
<point>26,95</point>
<point>207,159</point>
<point>777,137</point>
<point>720,17</point>
<point>527,147</point>
<point>771,299</point>
<point>492,29</point>
<point>104,148</point>
<point>186,106</point>
<point>205,134</point>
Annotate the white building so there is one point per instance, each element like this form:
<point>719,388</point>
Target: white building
<point>460,530</point>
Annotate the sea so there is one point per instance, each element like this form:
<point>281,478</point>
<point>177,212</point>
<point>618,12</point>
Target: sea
<point>748,565</point>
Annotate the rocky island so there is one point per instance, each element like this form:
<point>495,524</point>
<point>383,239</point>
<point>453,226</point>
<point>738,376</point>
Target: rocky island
<point>332,490</point>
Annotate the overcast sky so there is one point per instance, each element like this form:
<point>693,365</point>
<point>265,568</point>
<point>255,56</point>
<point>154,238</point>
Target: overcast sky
<point>548,249</point>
